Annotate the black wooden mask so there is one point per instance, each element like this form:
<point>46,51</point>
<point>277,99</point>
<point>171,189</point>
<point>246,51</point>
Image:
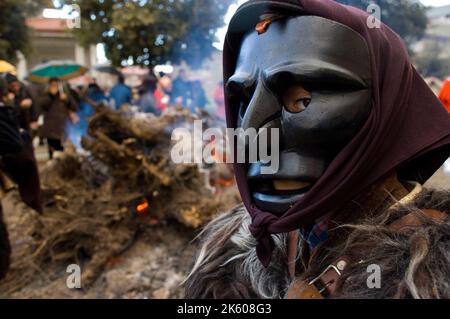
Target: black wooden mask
<point>330,62</point>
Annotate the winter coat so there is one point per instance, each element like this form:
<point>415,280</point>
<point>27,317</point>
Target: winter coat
<point>56,115</point>
<point>25,115</point>
<point>120,94</point>
<point>10,140</point>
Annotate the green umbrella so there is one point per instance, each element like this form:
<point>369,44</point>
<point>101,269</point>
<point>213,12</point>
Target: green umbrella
<point>63,70</point>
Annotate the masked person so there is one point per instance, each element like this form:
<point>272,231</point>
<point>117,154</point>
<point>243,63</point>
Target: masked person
<point>359,132</point>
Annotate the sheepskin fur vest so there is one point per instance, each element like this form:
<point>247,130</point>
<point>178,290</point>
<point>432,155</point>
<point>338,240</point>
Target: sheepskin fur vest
<point>414,262</point>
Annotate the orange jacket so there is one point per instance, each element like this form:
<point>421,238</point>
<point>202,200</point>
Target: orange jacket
<point>444,96</point>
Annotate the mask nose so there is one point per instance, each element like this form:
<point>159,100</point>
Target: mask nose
<point>263,110</point>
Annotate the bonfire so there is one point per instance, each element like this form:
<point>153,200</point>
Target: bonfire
<point>100,202</point>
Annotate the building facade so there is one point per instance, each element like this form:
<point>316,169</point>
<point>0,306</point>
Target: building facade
<point>51,39</point>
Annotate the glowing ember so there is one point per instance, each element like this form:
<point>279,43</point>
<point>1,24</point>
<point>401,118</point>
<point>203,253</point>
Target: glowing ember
<point>141,208</point>
<point>226,182</point>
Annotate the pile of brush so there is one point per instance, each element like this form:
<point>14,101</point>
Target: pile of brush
<point>98,202</point>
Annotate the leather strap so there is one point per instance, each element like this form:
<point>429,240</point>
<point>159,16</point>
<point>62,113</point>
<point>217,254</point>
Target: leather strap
<point>292,252</point>
<point>320,287</point>
<point>412,220</point>
<point>301,289</point>
<point>326,283</point>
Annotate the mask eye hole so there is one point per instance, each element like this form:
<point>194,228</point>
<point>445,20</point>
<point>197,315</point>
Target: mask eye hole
<point>296,99</point>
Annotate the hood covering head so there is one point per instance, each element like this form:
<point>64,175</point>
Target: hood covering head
<point>407,131</point>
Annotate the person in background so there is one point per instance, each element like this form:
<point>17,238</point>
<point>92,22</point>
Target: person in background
<point>147,101</point>
<point>57,108</point>
<point>36,91</point>
<point>77,129</point>
<point>25,109</point>
<point>120,94</point>
<point>444,95</point>
<point>96,94</point>
<point>219,98</point>
<point>17,162</point>
<point>181,93</point>
<point>163,92</point>
<point>10,142</point>
<point>165,81</point>
<point>198,96</point>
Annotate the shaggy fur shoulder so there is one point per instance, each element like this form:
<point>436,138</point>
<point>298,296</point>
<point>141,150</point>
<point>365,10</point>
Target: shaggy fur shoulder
<point>227,265</point>
<point>414,263</point>
<point>5,249</point>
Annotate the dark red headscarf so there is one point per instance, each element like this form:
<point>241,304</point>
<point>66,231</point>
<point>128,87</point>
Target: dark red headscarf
<point>408,130</point>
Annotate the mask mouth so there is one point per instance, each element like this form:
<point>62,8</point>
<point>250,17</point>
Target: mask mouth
<point>278,202</point>
<point>279,187</point>
<point>289,185</point>
<point>277,196</point>
<point>276,193</point>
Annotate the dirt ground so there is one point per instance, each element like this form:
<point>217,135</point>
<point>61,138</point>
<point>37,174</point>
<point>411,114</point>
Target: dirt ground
<point>152,267</point>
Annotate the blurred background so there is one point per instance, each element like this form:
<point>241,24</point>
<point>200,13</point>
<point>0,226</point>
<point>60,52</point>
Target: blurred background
<point>126,73</point>
<point>168,35</point>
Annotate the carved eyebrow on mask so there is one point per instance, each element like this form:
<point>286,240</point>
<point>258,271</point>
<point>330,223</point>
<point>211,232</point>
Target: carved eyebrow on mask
<point>314,72</point>
<point>317,74</point>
